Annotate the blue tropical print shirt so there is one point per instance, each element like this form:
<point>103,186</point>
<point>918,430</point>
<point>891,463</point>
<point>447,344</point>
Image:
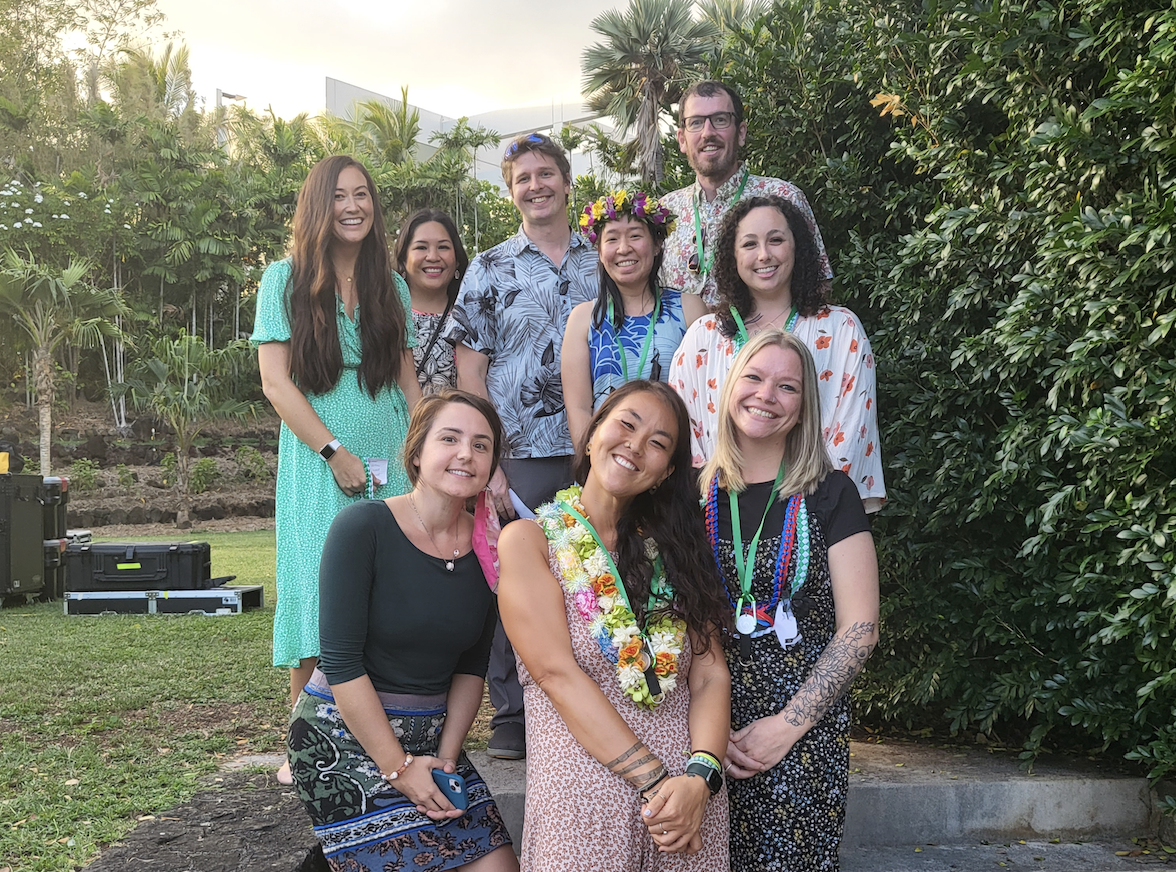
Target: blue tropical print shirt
<point>607,371</point>
<point>513,307</point>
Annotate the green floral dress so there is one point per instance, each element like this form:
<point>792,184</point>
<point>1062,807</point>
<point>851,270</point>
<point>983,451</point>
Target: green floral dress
<point>307,497</point>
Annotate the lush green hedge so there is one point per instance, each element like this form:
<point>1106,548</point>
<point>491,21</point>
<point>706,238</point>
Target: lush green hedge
<point>997,187</point>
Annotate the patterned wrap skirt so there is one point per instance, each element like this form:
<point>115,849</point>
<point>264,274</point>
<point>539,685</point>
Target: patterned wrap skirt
<point>361,821</point>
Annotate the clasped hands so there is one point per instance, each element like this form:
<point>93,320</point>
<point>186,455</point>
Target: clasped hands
<point>673,814</point>
<point>417,784</point>
<point>758,747</point>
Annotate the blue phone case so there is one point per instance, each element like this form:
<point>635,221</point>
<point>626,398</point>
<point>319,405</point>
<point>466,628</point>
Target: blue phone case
<point>453,786</point>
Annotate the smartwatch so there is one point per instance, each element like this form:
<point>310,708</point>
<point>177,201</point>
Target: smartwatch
<point>712,777</point>
<point>328,450</point>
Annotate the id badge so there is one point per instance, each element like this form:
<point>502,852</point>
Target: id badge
<point>785,624</point>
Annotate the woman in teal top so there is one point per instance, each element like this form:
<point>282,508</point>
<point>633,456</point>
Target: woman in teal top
<point>633,327</point>
<point>335,351</point>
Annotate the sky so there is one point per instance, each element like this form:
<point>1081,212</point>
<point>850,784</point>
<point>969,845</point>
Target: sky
<point>457,57</point>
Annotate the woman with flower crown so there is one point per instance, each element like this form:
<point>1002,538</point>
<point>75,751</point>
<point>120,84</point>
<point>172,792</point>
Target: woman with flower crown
<point>803,589</point>
<point>633,327</point>
<point>612,603</point>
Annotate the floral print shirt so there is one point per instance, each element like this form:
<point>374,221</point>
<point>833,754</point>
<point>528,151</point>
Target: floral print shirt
<point>681,244</point>
<point>845,377</point>
<point>439,370</point>
<point>513,307</point>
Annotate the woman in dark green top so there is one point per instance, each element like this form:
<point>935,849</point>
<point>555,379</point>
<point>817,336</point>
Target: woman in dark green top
<point>405,623</point>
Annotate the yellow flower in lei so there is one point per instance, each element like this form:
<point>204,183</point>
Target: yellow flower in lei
<point>588,575</point>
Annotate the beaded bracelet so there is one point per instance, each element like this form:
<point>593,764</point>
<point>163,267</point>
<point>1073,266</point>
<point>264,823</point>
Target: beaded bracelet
<point>707,759</point>
<point>394,775</point>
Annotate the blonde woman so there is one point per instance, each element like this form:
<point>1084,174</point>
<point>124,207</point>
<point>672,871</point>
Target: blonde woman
<point>792,542</point>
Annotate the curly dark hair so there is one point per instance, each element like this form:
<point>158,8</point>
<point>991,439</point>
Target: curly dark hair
<point>809,295</point>
<point>671,517</point>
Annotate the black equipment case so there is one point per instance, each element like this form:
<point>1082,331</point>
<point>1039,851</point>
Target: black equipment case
<point>22,559</point>
<point>147,566</point>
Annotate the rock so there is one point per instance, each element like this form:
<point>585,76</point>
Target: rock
<point>95,448</point>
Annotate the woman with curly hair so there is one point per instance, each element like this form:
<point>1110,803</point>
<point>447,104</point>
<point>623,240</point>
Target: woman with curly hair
<point>768,276</point>
<point>614,608</point>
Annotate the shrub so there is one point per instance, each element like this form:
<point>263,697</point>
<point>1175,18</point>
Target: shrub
<point>251,464</point>
<point>126,478</point>
<point>995,185</point>
<point>203,474</point>
<point>83,475</point>
<point>167,466</point>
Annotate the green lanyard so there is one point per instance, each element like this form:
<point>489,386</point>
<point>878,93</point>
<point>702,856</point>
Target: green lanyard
<point>644,348</point>
<point>745,564</point>
<point>705,265</point>
<point>789,325</point>
<point>655,588</point>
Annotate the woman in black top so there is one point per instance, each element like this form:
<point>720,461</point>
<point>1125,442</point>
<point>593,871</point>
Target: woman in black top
<point>405,623</point>
<point>804,595</point>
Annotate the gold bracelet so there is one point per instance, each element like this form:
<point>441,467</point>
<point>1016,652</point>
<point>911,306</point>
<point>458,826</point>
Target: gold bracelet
<point>398,772</point>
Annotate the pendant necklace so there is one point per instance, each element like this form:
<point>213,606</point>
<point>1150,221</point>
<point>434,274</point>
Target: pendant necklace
<point>456,550</point>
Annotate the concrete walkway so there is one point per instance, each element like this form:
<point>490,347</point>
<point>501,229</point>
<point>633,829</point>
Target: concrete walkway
<point>911,808</point>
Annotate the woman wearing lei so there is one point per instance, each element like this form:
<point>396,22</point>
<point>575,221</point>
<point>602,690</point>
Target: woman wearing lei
<point>613,605</point>
<point>634,326</point>
<point>792,542</point>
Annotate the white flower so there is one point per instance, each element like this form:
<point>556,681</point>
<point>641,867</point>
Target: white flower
<point>607,603</point>
<point>36,223</point>
<point>82,194</point>
<point>107,211</point>
<point>597,564</point>
<point>622,635</point>
<point>596,625</point>
<point>17,226</point>
<point>3,226</point>
<point>63,215</point>
<point>668,683</point>
<point>38,198</point>
<point>663,640</point>
<point>127,226</point>
<point>630,677</point>
<point>28,211</point>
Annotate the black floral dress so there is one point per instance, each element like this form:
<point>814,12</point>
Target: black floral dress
<point>791,817</point>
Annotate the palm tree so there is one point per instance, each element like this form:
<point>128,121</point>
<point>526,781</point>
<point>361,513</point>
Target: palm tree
<point>159,88</point>
<point>464,141</point>
<point>650,51</point>
<point>186,385</point>
<point>729,15</point>
<point>51,306</point>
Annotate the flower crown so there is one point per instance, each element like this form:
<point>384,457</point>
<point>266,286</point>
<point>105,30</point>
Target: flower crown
<point>639,205</point>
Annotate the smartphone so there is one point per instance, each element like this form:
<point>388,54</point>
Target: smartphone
<point>453,786</point>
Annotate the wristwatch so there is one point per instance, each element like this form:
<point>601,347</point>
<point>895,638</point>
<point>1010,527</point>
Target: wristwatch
<point>712,777</point>
<point>328,450</point>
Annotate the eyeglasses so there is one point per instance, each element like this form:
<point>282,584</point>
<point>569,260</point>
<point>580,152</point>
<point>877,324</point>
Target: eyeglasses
<point>718,120</point>
<point>512,150</point>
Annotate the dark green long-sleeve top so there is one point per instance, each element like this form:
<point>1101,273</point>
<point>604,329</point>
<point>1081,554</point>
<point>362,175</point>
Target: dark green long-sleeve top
<point>388,610</point>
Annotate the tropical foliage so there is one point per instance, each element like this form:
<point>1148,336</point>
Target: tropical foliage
<point>995,184</point>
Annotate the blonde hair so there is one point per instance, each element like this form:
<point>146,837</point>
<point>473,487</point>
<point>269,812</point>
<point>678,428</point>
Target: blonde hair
<point>806,460</point>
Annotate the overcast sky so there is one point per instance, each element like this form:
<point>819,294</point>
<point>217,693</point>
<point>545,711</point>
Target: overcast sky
<point>457,57</point>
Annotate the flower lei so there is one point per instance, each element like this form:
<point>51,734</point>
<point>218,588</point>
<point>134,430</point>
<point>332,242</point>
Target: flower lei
<point>586,573</point>
<point>639,205</point>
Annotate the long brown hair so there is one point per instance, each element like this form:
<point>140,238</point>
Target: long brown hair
<point>669,515</point>
<point>316,358</point>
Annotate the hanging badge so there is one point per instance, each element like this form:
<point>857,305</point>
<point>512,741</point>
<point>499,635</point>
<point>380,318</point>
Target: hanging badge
<point>785,624</point>
<point>745,622</point>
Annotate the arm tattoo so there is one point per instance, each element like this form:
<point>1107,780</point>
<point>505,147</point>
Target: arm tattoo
<point>833,673</point>
<point>645,779</point>
<point>624,756</point>
<point>635,765</point>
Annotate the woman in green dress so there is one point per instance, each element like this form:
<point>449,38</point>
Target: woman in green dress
<point>335,352</point>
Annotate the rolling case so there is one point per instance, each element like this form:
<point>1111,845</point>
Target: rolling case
<point>144,566</point>
<point>228,600</point>
<point>22,559</point>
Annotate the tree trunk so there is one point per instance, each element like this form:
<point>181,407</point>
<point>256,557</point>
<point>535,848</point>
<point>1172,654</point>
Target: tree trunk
<point>43,372</point>
<point>183,466</point>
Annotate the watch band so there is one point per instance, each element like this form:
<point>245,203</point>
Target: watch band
<point>328,450</point>
<point>712,777</point>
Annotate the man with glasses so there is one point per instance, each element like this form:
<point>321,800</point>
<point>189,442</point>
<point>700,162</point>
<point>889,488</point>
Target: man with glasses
<point>711,130</point>
<point>507,330</point>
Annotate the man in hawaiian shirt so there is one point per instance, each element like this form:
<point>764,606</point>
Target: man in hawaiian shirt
<point>711,130</point>
<point>507,330</point>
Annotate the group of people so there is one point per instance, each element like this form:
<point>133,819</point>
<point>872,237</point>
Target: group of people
<point>630,393</point>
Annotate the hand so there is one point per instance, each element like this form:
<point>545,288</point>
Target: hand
<point>348,472</point>
<point>416,782</point>
<point>759,746</point>
<point>674,812</point>
<point>499,488</point>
